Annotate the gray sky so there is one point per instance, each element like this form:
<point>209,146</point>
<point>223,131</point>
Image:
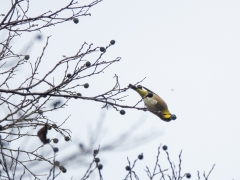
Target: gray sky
<point>191,47</point>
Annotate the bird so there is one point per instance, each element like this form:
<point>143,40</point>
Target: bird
<point>154,103</point>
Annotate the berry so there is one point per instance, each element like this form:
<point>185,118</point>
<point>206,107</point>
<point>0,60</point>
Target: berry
<point>55,140</point>
<point>26,57</point>
<point>1,127</point>
<point>55,149</point>
<point>95,152</point>
<point>140,156</point>
<point>69,75</point>
<point>100,166</point>
<point>102,49</point>
<point>56,163</point>
<point>173,117</point>
<point>63,169</point>
<point>88,64</point>
<point>122,112</point>
<point>75,20</point>
<point>40,112</point>
<point>164,147</point>
<point>112,42</point>
<point>86,85</point>
<point>127,168</point>
<point>97,160</point>
<point>54,125</point>
<point>79,94</point>
<point>188,175</point>
<point>67,138</point>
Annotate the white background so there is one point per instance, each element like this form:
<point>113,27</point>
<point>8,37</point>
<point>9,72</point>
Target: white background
<point>189,53</point>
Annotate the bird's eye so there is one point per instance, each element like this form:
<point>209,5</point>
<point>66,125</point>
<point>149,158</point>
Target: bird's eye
<point>139,86</point>
<point>150,95</point>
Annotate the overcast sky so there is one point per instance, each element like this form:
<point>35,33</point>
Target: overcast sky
<point>189,53</point>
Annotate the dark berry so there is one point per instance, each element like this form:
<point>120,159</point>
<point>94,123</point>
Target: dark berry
<point>100,166</point>
<point>75,20</point>
<point>173,117</point>
<point>55,149</point>
<point>95,152</point>
<point>188,175</point>
<point>86,85</point>
<point>55,140</point>
<point>67,138</point>
<point>97,160</point>
<point>54,125</point>
<point>1,127</point>
<point>140,156</point>
<point>122,112</point>
<point>79,94</point>
<point>164,147</point>
<point>102,49</point>
<point>69,75</point>
<point>112,42</point>
<point>40,112</point>
<point>127,168</point>
<point>63,169</point>
<point>26,57</point>
<point>88,64</point>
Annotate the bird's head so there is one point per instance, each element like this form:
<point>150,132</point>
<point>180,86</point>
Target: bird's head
<point>142,92</point>
<point>167,116</point>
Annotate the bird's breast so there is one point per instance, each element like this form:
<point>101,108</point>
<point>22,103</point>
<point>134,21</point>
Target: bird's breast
<point>151,104</point>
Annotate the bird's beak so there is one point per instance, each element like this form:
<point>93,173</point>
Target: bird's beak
<point>132,87</point>
<point>143,93</point>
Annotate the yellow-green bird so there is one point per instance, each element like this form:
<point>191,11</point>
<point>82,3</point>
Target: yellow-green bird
<point>154,103</point>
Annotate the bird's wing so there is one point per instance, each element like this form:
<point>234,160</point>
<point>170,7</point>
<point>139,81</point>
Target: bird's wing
<point>161,103</point>
<point>148,89</point>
